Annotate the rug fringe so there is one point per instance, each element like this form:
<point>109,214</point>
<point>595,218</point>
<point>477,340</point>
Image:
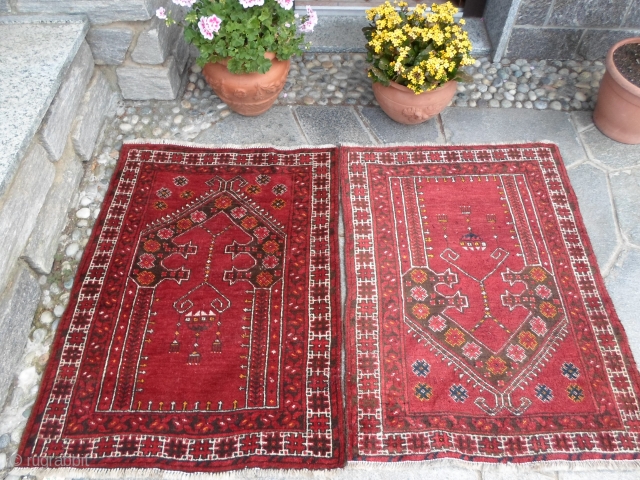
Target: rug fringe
<point>353,470</point>
<point>230,146</point>
<point>517,143</point>
<point>223,146</point>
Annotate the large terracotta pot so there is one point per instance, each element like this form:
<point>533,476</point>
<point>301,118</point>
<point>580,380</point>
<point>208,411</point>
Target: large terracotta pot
<point>404,106</point>
<point>248,94</point>
<point>617,112</point>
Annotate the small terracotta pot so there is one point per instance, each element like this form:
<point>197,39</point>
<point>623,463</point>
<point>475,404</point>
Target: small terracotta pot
<point>617,112</point>
<point>404,106</point>
<point>248,94</point>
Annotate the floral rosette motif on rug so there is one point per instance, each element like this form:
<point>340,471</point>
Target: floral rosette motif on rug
<point>204,330</point>
<point>478,325</point>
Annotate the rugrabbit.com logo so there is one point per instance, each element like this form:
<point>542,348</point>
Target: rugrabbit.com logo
<point>54,461</point>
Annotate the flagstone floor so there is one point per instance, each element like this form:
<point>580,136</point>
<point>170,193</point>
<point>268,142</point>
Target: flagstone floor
<point>605,176</point>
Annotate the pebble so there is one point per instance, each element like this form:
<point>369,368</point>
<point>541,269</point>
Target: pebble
<point>58,310</point>
<point>46,318</point>
<point>27,378</point>
<point>581,96</point>
<point>540,104</point>
<point>83,213</point>
<point>4,440</point>
<point>71,249</point>
<point>38,335</point>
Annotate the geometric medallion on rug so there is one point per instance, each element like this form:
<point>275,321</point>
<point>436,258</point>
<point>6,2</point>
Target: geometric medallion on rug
<point>203,332</point>
<point>478,325</point>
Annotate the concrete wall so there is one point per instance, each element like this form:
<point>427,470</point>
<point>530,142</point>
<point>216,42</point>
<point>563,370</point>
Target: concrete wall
<point>559,29</point>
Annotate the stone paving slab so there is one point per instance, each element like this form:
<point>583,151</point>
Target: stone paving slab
<point>390,131</point>
<point>623,284</point>
<point>610,153</point>
<point>332,125</point>
<point>582,119</point>
<point>28,88</point>
<point>277,126</point>
<point>625,186</point>
<point>481,125</point>
<point>600,475</point>
<point>591,187</point>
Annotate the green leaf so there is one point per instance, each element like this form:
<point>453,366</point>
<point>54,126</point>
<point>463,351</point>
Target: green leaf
<point>424,54</point>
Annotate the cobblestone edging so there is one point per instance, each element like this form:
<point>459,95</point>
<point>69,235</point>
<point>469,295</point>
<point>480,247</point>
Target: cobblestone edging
<point>317,79</point>
<point>341,79</point>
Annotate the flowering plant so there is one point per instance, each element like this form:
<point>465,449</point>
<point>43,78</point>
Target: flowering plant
<point>242,31</point>
<point>418,49</point>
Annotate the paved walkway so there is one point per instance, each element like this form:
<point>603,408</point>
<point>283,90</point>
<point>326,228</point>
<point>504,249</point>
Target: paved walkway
<point>604,174</point>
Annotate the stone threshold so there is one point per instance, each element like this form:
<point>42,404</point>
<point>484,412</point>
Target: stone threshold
<point>338,32</point>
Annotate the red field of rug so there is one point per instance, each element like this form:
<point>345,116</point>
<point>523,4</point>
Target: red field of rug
<point>478,325</point>
<point>203,334</point>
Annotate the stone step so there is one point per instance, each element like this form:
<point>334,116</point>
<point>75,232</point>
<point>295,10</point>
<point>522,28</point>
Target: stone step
<point>36,53</point>
<point>52,108</point>
<point>338,32</point>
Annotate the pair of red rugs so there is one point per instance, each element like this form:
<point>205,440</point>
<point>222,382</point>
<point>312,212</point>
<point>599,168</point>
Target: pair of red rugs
<point>206,330</point>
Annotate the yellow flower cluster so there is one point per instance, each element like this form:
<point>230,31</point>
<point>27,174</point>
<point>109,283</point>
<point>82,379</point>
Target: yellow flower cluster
<point>419,48</point>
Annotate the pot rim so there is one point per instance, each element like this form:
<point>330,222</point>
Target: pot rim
<point>613,70</point>
<point>402,88</point>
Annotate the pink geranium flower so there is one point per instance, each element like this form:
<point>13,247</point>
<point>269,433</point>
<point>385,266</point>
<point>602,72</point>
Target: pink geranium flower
<point>312,21</point>
<point>251,3</point>
<point>161,13</point>
<point>209,25</point>
<point>286,4</point>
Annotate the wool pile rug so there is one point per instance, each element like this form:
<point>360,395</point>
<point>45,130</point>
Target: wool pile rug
<point>478,326</point>
<point>204,330</point>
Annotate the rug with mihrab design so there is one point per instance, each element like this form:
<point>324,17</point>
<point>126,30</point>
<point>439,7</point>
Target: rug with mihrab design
<point>478,326</point>
<point>203,334</point>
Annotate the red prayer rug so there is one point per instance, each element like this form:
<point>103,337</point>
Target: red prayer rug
<point>478,325</point>
<point>203,334</point>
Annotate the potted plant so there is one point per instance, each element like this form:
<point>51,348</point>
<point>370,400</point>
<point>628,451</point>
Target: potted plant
<point>617,112</point>
<point>245,47</point>
<point>415,58</point>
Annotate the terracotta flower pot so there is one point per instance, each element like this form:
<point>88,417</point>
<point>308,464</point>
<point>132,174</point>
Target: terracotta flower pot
<point>404,106</point>
<point>617,112</point>
<point>248,94</point>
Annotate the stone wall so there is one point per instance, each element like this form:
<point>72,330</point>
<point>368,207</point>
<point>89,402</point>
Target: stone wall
<point>128,43</point>
<point>39,180</point>
<point>559,29</point>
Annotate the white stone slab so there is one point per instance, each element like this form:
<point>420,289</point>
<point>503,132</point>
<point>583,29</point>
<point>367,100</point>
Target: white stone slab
<point>147,82</point>
<point>20,206</point>
<point>35,57</point>
<point>109,45</point>
<point>99,101</point>
<point>18,304</point>
<point>43,242</point>
<point>98,11</point>
<point>57,122</point>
